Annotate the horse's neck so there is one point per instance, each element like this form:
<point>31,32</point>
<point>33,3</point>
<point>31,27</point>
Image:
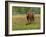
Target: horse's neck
<point>30,13</point>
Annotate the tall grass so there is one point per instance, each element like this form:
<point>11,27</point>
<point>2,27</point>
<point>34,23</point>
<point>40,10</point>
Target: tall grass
<point>19,22</point>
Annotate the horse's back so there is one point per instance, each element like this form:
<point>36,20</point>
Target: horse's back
<point>29,14</point>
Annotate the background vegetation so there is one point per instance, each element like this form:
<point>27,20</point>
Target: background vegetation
<point>23,10</point>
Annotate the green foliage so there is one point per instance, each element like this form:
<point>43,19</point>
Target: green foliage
<point>23,10</point>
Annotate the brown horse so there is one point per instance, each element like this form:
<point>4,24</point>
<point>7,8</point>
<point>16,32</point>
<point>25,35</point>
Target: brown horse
<point>30,17</point>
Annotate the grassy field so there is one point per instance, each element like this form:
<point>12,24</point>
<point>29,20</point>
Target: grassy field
<point>19,22</point>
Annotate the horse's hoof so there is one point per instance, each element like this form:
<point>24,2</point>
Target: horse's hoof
<point>26,24</point>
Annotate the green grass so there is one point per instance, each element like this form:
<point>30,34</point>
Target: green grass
<point>19,23</point>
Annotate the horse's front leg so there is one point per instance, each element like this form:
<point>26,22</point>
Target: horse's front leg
<point>30,20</point>
<point>27,20</point>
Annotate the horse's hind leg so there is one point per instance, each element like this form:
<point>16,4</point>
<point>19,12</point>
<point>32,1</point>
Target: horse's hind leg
<point>33,18</point>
